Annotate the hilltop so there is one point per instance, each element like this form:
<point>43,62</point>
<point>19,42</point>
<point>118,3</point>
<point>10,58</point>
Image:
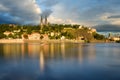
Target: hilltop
<point>49,32</point>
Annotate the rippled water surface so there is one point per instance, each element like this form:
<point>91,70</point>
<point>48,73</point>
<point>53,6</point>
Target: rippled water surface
<point>60,61</point>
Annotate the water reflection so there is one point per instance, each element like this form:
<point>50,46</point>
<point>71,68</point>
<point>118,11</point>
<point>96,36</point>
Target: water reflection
<point>43,52</point>
<point>42,61</point>
<point>11,51</point>
<point>52,50</point>
<point>63,50</point>
<point>60,59</point>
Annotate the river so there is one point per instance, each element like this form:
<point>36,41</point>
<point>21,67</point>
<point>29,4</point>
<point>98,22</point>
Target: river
<point>60,61</point>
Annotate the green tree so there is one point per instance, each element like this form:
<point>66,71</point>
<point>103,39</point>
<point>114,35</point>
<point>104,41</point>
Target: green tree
<point>29,30</point>
<point>25,36</point>
<point>2,36</point>
<point>98,36</point>
<point>41,37</point>
<point>10,36</point>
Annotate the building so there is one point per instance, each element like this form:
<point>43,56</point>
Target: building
<point>43,22</point>
<point>8,33</point>
<point>34,36</point>
<point>45,37</point>
<point>16,31</point>
<point>63,37</point>
<point>93,30</point>
<point>115,38</point>
<point>52,34</point>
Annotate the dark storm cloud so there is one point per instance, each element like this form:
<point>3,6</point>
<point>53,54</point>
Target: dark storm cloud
<point>107,27</point>
<point>114,16</point>
<point>95,11</point>
<point>18,11</point>
<point>47,4</point>
<point>46,13</point>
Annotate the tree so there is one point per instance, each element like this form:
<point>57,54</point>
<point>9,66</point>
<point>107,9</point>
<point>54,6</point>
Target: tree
<point>29,30</point>
<point>76,26</point>
<point>68,35</point>
<point>41,37</point>
<point>25,36</point>
<point>10,36</point>
<point>98,36</point>
<point>2,36</point>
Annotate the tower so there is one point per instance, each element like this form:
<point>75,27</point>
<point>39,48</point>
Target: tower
<point>46,22</point>
<point>41,23</point>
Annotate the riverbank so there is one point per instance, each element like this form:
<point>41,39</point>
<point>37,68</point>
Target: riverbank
<point>51,41</point>
<point>11,41</point>
<point>38,41</point>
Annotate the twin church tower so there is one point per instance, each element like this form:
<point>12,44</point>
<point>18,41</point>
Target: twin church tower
<point>43,22</point>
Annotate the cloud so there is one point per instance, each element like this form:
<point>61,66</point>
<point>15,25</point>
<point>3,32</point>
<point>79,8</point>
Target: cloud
<point>83,12</point>
<point>113,16</point>
<point>60,11</point>
<point>110,18</point>
<point>55,20</point>
<point>88,12</point>
<point>3,8</point>
<point>116,22</point>
<point>46,13</point>
<point>19,11</point>
<point>107,27</point>
<point>47,6</point>
<point>49,3</point>
<point>78,11</point>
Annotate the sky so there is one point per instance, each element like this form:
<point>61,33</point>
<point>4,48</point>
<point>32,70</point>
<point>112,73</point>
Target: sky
<point>98,13</point>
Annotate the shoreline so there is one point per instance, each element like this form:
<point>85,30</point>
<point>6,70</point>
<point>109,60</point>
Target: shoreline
<point>11,41</point>
<point>50,41</point>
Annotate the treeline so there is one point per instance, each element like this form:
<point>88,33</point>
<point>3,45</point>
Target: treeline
<point>67,30</point>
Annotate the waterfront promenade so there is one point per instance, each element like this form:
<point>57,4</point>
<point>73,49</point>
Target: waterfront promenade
<point>50,41</point>
<point>11,41</point>
<point>36,41</point>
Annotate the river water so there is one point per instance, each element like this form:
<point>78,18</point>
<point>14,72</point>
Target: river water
<point>60,61</point>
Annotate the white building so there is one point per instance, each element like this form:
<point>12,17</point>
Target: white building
<point>115,38</point>
<point>8,33</point>
<point>93,30</point>
<point>52,34</point>
<point>63,37</point>
<point>16,31</point>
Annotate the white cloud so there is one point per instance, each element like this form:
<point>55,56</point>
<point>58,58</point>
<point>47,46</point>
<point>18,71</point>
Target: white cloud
<point>53,19</point>
<point>85,14</point>
<point>104,16</point>
<point>116,22</point>
<point>111,18</point>
<point>61,15</point>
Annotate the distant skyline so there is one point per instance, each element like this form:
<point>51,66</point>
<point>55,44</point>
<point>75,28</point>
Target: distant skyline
<point>84,12</point>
